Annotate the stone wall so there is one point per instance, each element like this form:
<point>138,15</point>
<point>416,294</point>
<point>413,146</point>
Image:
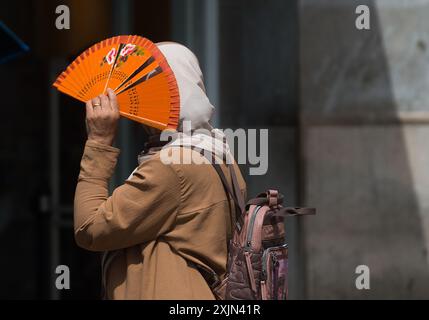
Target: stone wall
<point>364,123</point>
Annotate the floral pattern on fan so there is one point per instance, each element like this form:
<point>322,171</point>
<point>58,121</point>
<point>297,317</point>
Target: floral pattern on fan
<point>110,57</point>
<point>128,50</point>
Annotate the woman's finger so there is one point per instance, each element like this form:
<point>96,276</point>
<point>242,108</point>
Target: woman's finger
<point>105,103</point>
<point>89,109</point>
<point>96,104</point>
<point>113,101</point>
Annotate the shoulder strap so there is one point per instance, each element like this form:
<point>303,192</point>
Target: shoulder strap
<point>238,194</point>
<point>235,192</point>
<point>209,275</point>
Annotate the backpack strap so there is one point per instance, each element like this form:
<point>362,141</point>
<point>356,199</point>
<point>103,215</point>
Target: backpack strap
<point>235,192</point>
<point>240,198</point>
<point>209,275</point>
<point>270,198</point>
<point>274,200</point>
<point>292,211</point>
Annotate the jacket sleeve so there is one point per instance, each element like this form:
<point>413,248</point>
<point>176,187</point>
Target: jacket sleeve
<point>140,210</point>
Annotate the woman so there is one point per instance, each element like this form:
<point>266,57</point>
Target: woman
<point>166,229</point>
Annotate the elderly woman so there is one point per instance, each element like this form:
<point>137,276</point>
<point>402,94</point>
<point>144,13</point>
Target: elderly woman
<point>168,226</point>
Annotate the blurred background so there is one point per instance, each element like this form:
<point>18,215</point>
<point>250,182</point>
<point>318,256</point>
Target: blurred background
<point>347,113</point>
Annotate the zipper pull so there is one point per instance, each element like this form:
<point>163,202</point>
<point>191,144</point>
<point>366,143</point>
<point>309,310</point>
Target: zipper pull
<point>275,260</point>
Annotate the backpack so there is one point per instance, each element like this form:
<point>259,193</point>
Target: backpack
<point>257,264</point>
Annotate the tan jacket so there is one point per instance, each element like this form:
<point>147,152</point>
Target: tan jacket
<point>160,219</point>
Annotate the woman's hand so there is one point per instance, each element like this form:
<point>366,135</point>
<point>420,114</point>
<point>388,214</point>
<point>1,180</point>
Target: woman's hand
<point>102,115</point>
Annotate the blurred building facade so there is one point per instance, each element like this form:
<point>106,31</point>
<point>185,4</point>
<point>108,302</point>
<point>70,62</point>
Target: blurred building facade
<point>364,122</point>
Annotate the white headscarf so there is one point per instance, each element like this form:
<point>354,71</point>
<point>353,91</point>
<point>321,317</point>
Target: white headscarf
<point>194,104</point>
<point>195,107</point>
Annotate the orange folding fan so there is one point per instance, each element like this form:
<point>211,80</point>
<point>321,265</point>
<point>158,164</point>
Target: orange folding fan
<point>136,70</point>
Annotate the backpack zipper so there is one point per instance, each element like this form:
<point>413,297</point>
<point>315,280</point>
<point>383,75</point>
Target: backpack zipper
<point>265,257</point>
<point>250,229</point>
<point>274,265</point>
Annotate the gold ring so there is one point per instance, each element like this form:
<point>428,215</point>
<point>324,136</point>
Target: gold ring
<point>96,105</point>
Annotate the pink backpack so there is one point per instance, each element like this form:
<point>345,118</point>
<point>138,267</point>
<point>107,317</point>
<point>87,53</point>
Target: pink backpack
<point>257,267</point>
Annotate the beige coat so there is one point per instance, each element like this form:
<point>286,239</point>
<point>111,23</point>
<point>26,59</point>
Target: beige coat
<point>160,219</point>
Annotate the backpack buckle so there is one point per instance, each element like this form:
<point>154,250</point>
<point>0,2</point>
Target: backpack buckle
<point>273,198</point>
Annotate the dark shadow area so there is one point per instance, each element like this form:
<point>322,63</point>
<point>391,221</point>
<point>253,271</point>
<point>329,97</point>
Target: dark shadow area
<point>26,152</point>
<point>259,89</point>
